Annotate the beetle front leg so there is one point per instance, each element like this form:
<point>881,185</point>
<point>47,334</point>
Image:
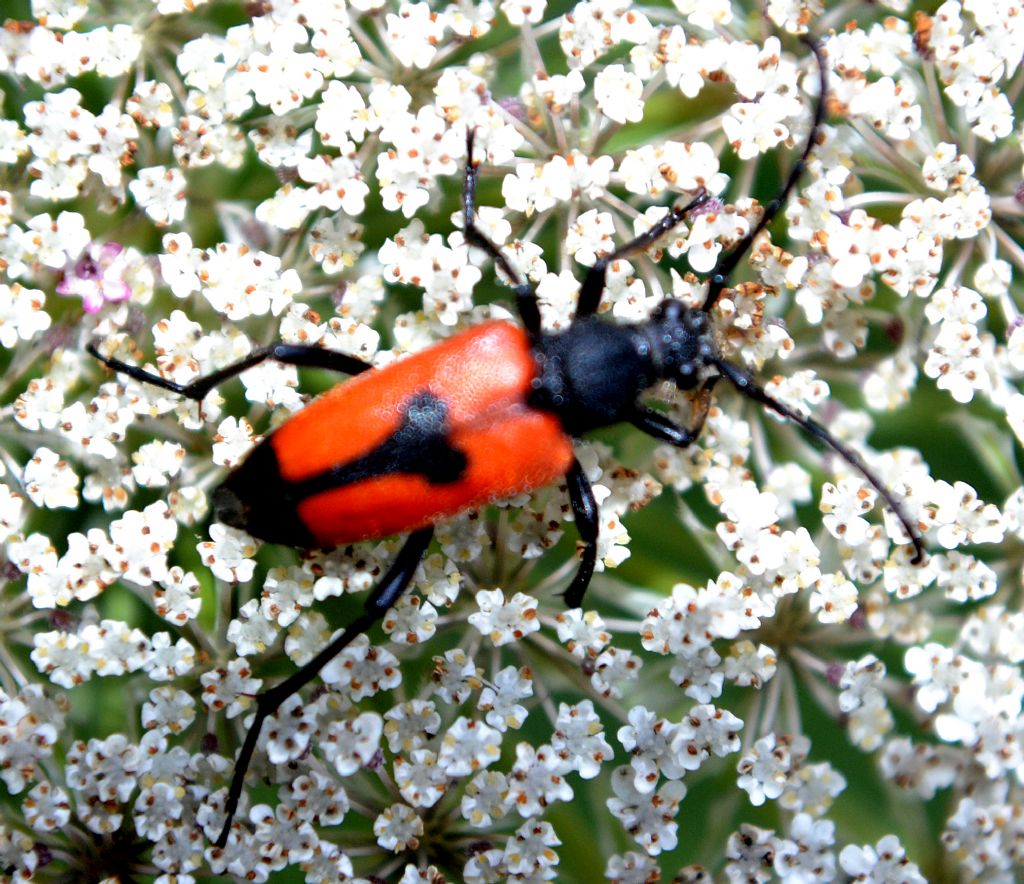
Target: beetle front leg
<point>304,355</point>
<point>594,281</point>
<point>584,509</point>
<point>658,426</point>
<point>526,296</point>
<point>387,593</point>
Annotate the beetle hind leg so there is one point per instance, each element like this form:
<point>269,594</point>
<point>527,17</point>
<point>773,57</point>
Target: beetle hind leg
<point>390,589</point>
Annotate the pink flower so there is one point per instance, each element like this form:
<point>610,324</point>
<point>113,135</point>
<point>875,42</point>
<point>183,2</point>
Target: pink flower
<point>97,276</point>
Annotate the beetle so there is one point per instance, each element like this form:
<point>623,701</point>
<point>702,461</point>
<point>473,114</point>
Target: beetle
<point>483,415</point>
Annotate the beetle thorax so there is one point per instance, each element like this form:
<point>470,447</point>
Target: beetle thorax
<point>592,373</point>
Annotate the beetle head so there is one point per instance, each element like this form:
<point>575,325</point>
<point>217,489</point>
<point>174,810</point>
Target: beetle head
<point>682,343</point>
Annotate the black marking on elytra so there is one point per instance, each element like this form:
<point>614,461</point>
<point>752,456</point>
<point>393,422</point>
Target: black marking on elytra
<point>419,446</point>
<point>257,499</point>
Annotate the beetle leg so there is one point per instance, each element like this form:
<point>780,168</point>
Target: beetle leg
<point>387,592</point>
<point>585,510</point>
<point>728,261</point>
<point>656,424</point>
<point>526,296</point>
<point>593,282</point>
<point>291,354</point>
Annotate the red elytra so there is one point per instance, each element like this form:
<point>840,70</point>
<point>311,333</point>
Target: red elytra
<point>483,376</point>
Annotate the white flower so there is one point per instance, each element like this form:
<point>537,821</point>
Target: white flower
<point>232,441</point>
<point>619,94</point>
<point>649,818</point>
<point>414,33</point>
<point>844,505</point>
<point>834,598</point>
<point>518,11</point>
<point>536,188</point>
<point>467,747</point>
<point>886,861</point>
<point>889,106</point>
<point>160,192</point>
<point>49,481</point>
<point>398,828</point>
<point>500,699</point>
<point>21,314</point>
<point>229,553</point>
<point>505,620</point>
<point>281,78</point>
<point>156,462</point>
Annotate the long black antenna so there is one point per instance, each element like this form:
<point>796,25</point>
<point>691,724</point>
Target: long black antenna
<point>745,383</point>
<point>743,380</point>
<point>727,263</point>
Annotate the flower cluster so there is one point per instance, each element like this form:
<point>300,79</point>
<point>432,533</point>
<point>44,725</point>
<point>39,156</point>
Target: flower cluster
<point>183,183</point>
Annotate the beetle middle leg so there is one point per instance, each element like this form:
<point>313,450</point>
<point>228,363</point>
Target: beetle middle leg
<point>581,494</point>
<point>305,355</point>
<point>587,515</point>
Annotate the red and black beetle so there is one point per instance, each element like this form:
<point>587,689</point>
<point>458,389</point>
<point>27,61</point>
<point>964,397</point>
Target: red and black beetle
<point>486,414</point>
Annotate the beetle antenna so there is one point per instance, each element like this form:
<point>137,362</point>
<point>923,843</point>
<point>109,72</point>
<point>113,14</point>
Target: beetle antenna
<point>727,263</point>
<point>745,383</point>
